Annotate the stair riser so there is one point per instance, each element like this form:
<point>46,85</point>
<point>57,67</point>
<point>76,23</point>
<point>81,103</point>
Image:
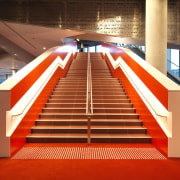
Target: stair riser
<point>108,93</point>
<point>108,90</point>
<point>106,86</point>
<point>69,89</point>
<point>105,83</point>
<point>71,83</point>
<point>55,140</point>
<point>77,76</point>
<point>118,131</point>
<point>109,97</point>
<point>103,105</point>
<point>72,80</point>
<point>121,140</point>
<point>101,76</point>
<point>61,123</point>
<point>114,116</point>
<point>62,116</point>
<point>59,131</point>
<point>73,105</point>
<point>69,93</point>
<point>63,110</point>
<point>111,101</point>
<point>77,89</point>
<point>116,123</point>
<point>105,80</point>
<point>73,101</point>
<point>95,116</point>
<point>66,97</point>
<point>114,110</point>
<point>80,86</point>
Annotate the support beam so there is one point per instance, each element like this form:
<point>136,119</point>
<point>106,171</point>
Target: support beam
<point>156,34</point>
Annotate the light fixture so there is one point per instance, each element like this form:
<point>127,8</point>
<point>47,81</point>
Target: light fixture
<point>44,48</point>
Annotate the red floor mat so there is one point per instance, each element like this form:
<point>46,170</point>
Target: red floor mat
<point>83,151</point>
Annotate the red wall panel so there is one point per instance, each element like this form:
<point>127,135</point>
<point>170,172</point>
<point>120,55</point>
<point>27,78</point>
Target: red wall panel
<point>18,138</point>
<point>159,139</point>
<point>21,88</point>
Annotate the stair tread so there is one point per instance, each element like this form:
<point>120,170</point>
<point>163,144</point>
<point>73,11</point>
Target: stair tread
<point>120,135</point>
<point>116,120</point>
<point>85,127</point>
<point>79,120</point>
<point>64,108</point>
<point>93,113</point>
<point>49,135</point>
<point>59,127</point>
<point>112,108</point>
<point>95,108</point>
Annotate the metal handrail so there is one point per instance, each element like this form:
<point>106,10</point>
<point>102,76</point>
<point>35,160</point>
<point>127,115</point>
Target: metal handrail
<point>157,114</point>
<point>89,103</point>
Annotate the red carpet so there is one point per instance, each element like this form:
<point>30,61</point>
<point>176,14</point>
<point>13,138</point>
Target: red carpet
<point>89,169</point>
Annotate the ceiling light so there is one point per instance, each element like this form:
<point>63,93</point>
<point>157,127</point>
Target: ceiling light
<point>44,48</point>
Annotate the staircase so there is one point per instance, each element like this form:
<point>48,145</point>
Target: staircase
<point>64,120</point>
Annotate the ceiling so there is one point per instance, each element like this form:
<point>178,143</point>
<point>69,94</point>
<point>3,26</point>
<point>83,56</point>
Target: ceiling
<point>21,43</point>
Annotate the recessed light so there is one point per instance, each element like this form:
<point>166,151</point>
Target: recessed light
<point>44,48</point>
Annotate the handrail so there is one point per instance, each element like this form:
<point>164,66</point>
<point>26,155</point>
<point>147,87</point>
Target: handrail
<point>18,112</point>
<point>118,63</point>
<point>157,114</point>
<point>89,103</point>
<point>50,70</point>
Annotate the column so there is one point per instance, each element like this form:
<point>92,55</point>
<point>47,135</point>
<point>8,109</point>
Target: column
<point>82,47</point>
<point>7,76</point>
<point>96,49</point>
<point>14,71</point>
<point>179,63</point>
<point>88,49</point>
<point>156,34</point>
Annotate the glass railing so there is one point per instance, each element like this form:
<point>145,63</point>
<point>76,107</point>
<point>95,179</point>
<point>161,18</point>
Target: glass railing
<point>173,73</point>
<point>175,69</point>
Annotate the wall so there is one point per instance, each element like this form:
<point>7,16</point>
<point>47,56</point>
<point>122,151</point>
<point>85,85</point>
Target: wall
<point>159,138</point>
<point>13,94</point>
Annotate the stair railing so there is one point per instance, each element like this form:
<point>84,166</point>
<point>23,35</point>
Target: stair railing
<point>89,102</point>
